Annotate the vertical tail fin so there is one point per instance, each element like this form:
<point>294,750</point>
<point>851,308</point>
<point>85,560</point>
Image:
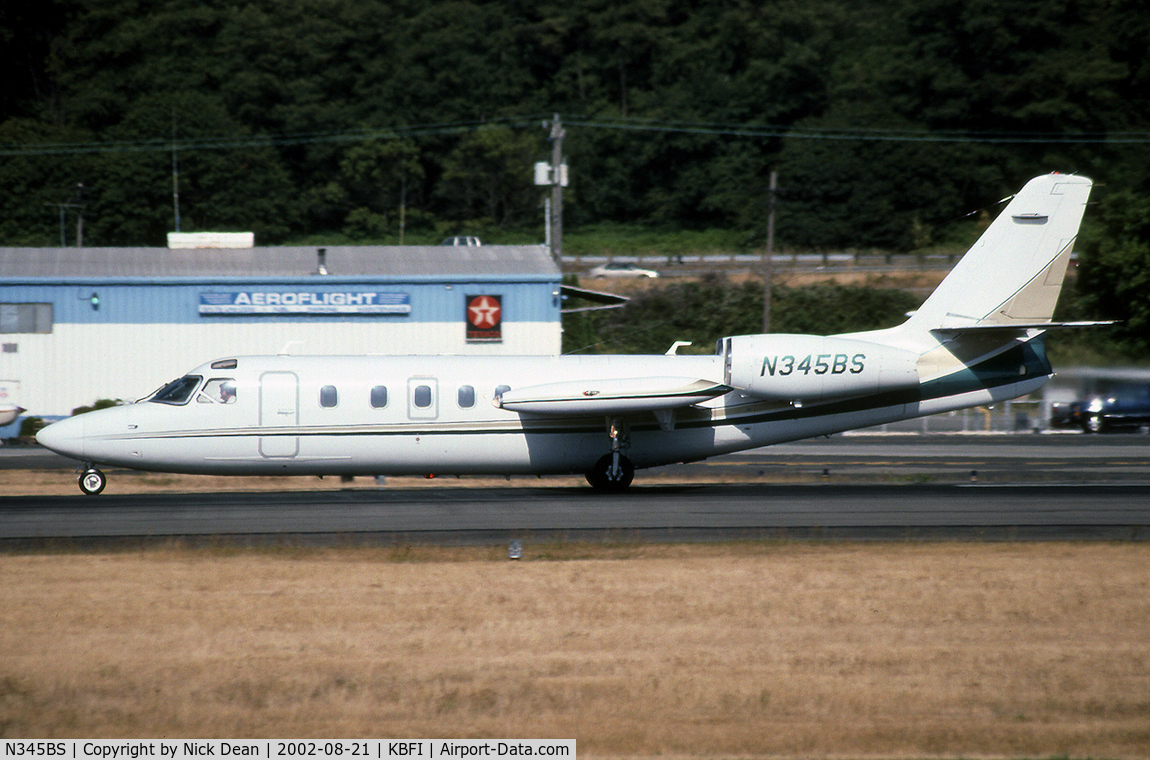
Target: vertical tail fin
<point>1012,276</point>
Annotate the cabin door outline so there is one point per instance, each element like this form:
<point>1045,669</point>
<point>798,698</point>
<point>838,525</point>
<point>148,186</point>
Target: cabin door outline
<point>279,408</point>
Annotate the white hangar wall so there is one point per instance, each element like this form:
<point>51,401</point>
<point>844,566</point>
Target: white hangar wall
<point>119,323</point>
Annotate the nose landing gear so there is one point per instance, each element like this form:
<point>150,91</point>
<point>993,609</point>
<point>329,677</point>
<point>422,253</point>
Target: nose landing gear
<point>92,481</point>
<point>613,471</point>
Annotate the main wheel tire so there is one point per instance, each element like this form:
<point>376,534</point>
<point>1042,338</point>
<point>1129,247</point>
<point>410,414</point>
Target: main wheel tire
<point>606,475</point>
<point>92,481</point>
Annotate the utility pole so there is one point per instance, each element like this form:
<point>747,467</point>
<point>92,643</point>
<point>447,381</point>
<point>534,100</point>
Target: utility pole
<point>79,214</point>
<point>175,174</point>
<point>547,222</point>
<point>79,206</point>
<point>557,189</point>
<point>402,203</point>
<point>769,253</point>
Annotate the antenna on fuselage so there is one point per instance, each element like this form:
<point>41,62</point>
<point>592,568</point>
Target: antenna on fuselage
<point>286,350</point>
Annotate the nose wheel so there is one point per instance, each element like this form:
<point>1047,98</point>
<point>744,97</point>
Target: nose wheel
<point>92,481</point>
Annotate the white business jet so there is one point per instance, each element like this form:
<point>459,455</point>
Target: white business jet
<point>978,339</point>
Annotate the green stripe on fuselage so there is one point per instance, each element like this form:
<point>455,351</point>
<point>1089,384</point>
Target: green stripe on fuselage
<point>1025,361</point>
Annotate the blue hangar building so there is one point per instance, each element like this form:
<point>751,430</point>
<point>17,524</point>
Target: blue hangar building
<point>81,324</point>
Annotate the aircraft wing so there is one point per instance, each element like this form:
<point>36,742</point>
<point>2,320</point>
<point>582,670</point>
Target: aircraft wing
<point>604,300</point>
<point>613,396</point>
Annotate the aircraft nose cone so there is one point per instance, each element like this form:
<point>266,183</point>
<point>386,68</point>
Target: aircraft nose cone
<point>64,437</point>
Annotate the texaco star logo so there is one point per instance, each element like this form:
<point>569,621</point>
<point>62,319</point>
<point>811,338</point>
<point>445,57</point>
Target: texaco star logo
<point>483,312</point>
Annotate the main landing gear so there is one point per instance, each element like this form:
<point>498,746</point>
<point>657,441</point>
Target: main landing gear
<point>613,471</point>
<point>92,481</point>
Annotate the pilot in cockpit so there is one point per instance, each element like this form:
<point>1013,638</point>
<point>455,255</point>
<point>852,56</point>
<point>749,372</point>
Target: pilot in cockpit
<point>219,390</point>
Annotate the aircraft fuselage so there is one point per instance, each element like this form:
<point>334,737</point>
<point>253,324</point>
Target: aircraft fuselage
<point>377,415</point>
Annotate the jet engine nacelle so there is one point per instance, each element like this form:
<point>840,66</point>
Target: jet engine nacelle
<point>802,368</point>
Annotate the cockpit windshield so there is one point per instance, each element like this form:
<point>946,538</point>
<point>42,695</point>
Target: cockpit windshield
<point>177,392</point>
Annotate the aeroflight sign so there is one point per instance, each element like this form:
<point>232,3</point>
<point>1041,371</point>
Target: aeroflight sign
<point>294,302</point>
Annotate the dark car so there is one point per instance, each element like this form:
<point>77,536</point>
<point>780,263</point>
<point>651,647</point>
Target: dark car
<point>1098,414</point>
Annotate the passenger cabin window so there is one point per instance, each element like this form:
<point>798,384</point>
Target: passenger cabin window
<point>466,396</point>
<point>379,397</point>
<point>421,397</point>
<point>328,396</point>
<point>218,390</point>
<point>178,392</point>
<point>501,389</point>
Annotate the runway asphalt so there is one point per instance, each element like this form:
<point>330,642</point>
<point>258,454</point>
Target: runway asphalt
<point>1024,487</point>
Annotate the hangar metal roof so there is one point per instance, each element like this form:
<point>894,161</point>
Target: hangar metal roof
<point>531,261</point>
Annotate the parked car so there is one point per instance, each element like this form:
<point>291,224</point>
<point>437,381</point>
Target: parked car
<point>462,240</point>
<point>1099,414</point>
<point>621,269</point>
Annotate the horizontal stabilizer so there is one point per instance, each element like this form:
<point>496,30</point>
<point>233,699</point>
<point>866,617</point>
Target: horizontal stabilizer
<point>614,396</point>
<point>986,327</point>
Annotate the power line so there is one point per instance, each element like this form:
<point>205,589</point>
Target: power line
<point>762,131</point>
<point>863,134</point>
<point>261,141</point>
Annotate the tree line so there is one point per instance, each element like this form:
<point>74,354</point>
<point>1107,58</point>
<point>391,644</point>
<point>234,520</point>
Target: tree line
<point>703,311</point>
<point>888,121</point>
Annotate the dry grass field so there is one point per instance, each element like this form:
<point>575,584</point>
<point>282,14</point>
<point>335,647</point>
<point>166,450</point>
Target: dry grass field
<point>827,650</point>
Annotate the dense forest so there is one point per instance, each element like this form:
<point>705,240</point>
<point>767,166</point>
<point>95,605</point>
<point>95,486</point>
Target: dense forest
<point>886,120</point>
